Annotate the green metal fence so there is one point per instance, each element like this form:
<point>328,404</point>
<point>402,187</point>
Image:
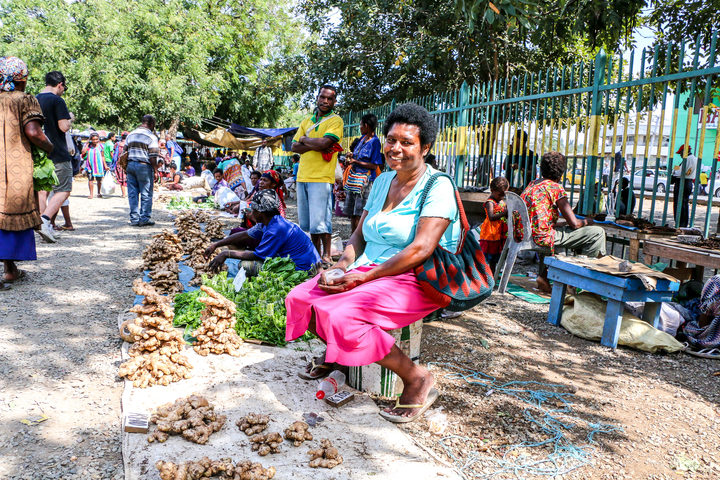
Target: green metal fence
<point>619,116</point>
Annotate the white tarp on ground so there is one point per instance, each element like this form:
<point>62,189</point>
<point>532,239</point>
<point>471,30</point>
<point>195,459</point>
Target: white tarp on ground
<point>264,380</point>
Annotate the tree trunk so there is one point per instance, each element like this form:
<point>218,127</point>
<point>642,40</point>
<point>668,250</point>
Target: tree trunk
<point>172,131</point>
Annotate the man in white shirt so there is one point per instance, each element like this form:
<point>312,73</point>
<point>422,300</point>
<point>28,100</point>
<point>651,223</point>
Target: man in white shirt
<point>687,168</point>
<point>264,157</point>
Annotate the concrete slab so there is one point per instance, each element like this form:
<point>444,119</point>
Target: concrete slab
<point>264,380</point>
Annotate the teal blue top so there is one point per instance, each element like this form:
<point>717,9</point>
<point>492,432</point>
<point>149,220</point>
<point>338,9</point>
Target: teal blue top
<point>387,233</point>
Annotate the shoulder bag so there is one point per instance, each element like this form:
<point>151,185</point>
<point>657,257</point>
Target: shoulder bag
<point>462,277</point>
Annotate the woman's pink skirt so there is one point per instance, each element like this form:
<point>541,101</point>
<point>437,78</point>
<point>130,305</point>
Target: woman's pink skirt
<point>354,324</point>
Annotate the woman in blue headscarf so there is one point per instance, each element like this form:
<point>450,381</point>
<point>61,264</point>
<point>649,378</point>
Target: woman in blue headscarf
<point>22,121</point>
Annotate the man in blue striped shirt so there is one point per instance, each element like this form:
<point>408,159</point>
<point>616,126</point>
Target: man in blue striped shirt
<point>143,148</point>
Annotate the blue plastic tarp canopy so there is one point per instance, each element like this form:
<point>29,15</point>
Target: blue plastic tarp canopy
<point>236,129</point>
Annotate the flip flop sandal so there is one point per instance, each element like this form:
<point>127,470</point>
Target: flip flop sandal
<point>324,370</point>
<point>431,397</point>
<point>4,286</point>
<point>20,275</point>
<point>68,229</point>
<point>712,353</point>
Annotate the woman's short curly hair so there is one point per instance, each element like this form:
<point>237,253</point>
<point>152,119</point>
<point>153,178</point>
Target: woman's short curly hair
<point>413,114</point>
<point>553,166</point>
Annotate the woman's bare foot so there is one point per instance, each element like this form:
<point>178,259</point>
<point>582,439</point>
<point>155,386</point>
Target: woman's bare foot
<point>543,285</point>
<point>415,392</point>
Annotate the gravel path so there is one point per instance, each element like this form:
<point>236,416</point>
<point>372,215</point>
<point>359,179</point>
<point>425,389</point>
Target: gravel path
<point>59,348</point>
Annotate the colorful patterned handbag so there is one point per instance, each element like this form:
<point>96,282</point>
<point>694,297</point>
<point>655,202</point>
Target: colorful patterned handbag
<point>463,277</point>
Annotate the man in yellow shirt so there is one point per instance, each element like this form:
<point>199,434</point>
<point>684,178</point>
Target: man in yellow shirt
<point>314,141</point>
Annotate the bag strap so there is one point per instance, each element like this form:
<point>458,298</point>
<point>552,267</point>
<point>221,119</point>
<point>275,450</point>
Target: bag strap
<point>321,121</point>
<point>464,224</point>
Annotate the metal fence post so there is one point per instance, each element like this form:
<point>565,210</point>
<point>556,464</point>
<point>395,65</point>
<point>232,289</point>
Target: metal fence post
<point>588,203</point>
<point>462,122</point>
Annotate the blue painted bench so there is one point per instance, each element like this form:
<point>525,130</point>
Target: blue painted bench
<point>617,290</point>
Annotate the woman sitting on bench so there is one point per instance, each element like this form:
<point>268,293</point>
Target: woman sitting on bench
<point>373,288</point>
<point>546,198</point>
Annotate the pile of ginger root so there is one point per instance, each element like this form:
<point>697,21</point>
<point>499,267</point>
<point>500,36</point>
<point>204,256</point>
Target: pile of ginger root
<point>161,257</point>
<point>156,355</point>
<point>265,443</point>
<point>216,334</point>
<point>326,456</point>
<point>192,417</point>
<point>253,423</point>
<point>223,469</point>
<point>165,246</point>
<point>194,243</point>
<point>298,432</point>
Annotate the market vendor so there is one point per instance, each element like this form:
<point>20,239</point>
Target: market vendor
<point>376,289</point>
<point>275,236</point>
<point>545,198</point>
<point>173,181</point>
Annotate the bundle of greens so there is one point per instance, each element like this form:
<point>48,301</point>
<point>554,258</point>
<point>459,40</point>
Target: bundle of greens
<point>188,309</point>
<point>261,303</point>
<point>44,177</point>
<point>186,203</point>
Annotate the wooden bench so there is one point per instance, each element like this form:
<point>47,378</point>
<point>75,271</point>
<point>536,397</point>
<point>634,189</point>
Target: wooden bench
<point>617,290</point>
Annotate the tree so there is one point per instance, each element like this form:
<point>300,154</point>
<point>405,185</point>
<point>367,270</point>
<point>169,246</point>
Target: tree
<point>379,50</point>
<point>180,60</point>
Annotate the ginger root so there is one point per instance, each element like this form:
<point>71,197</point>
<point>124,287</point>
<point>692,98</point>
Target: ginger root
<point>205,468</point>
<point>253,423</point>
<point>193,418</point>
<point>326,456</point>
<point>266,443</point>
<point>156,352</point>
<point>163,247</point>
<point>298,433</point>
<point>214,229</point>
<point>216,334</point>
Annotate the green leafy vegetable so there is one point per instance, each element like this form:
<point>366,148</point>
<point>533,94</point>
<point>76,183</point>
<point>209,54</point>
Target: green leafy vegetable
<point>44,177</point>
<point>261,310</point>
<point>186,203</point>
<point>188,309</point>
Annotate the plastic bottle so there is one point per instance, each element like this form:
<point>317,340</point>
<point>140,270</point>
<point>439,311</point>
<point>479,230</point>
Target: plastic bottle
<point>330,384</point>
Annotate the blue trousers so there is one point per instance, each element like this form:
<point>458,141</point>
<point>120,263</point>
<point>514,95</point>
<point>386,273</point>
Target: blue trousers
<point>140,179</point>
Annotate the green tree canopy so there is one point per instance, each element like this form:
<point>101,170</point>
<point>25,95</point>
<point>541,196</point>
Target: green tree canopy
<point>181,60</point>
<point>377,50</point>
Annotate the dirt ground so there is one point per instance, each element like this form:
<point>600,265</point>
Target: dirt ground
<point>59,353</point>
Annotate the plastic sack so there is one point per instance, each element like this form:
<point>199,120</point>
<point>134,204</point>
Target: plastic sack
<point>584,316</point>
<point>224,195</point>
<point>108,184</point>
<point>44,177</point>
<point>437,421</point>
<point>193,182</point>
<point>671,315</point>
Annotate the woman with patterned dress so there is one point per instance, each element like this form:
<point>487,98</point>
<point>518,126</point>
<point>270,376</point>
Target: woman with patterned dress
<point>120,175</point>
<point>545,198</point>
<point>94,155</point>
<point>22,122</point>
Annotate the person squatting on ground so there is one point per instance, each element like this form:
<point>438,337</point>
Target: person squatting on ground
<point>277,237</point>
<point>57,122</point>
<point>143,147</point>
<point>364,163</point>
<point>94,155</point>
<point>546,199</point>
<point>317,141</point>
<point>493,231</point>
<point>379,290</point>
<point>22,121</point>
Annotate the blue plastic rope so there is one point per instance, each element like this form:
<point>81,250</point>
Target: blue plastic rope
<point>564,457</point>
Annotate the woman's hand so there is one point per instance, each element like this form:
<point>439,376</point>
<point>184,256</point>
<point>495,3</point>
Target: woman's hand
<point>343,284</point>
<point>324,280</point>
<point>209,250</point>
<point>217,262</point>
